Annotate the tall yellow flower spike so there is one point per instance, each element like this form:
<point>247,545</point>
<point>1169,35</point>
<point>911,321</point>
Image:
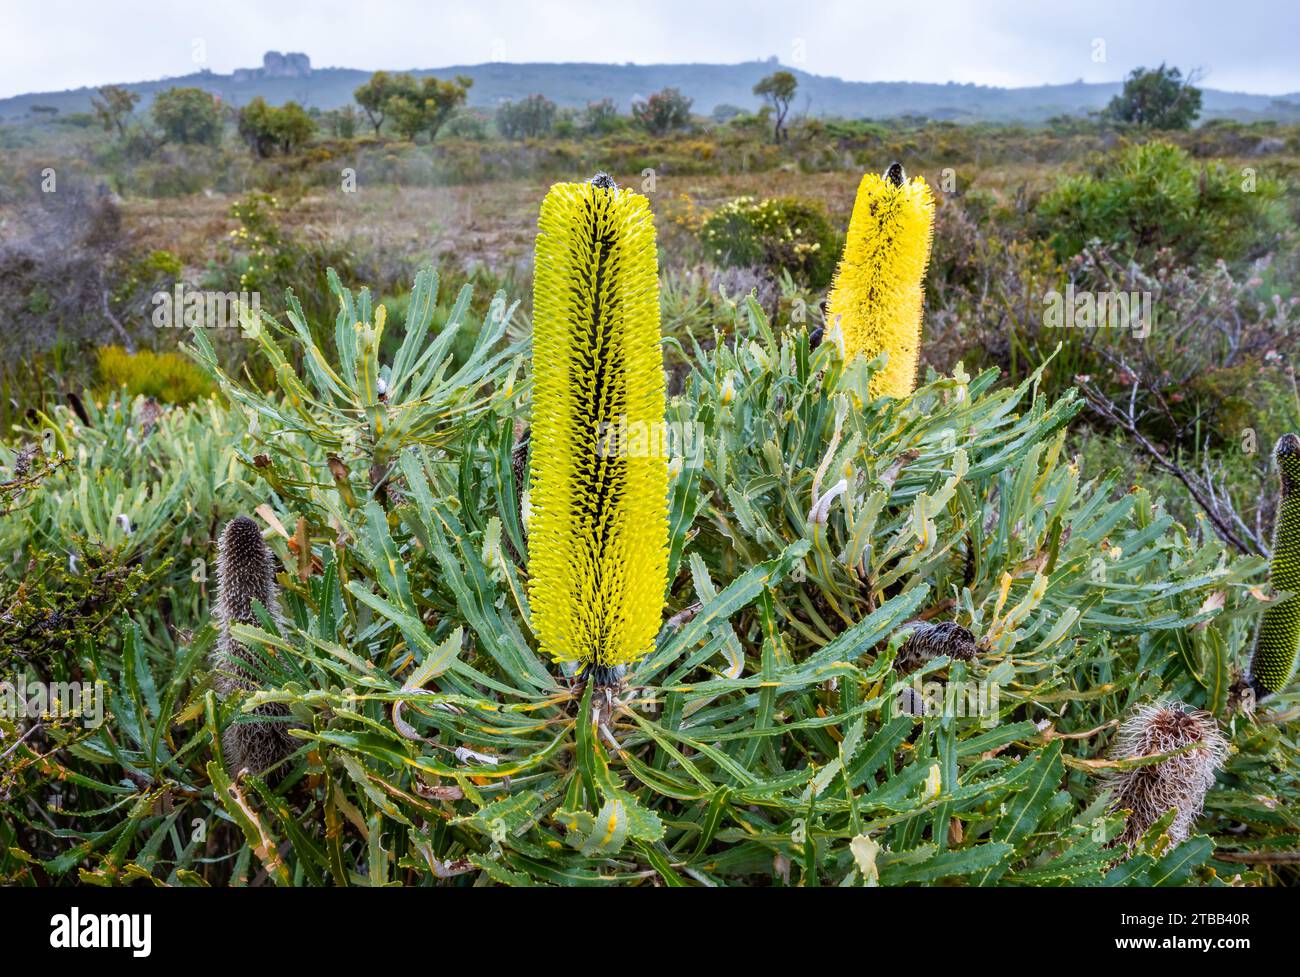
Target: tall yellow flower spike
<point>877,291</point>
<point>598,530</point>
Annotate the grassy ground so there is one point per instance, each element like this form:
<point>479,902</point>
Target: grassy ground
<point>471,208</point>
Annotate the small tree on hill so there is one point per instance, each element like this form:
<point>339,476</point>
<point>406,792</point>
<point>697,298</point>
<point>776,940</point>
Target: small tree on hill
<point>294,127</point>
<point>267,128</point>
<point>113,105</point>
<point>778,89</point>
<point>374,96</point>
<point>256,127</point>
<point>1160,98</point>
<point>425,105</point>
<point>188,115</point>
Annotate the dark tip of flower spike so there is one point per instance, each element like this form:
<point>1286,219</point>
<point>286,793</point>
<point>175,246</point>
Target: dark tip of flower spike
<point>604,181</point>
<point>1287,454</point>
<point>606,676</point>
<point>895,174</point>
<point>243,531</point>
<point>79,408</point>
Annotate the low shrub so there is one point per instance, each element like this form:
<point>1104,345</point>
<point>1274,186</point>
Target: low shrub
<point>1154,195</point>
<point>166,377</point>
<point>781,234</point>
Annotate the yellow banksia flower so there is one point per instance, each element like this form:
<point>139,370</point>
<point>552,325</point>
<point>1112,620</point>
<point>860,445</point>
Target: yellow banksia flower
<point>598,529</point>
<point>877,292</point>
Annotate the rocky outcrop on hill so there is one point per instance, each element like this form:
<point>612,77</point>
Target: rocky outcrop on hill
<point>276,65</point>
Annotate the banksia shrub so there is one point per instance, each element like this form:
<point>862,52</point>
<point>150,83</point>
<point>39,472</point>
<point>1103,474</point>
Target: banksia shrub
<point>598,534</point>
<point>1279,632</point>
<point>877,292</point>
<point>1179,782</point>
<point>768,737</point>
<point>246,574</point>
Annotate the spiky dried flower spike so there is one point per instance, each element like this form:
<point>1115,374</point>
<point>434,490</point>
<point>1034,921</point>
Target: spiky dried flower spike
<point>245,574</point>
<point>1180,782</point>
<point>877,292</point>
<point>1279,632</point>
<point>598,529</point>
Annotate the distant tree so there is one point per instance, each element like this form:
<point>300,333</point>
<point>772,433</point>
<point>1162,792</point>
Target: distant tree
<point>342,123</point>
<point>406,116</point>
<point>1071,125</point>
<point>294,127</point>
<point>601,118</point>
<point>529,118</point>
<point>256,126</point>
<point>188,115</point>
<point>425,105</point>
<point>267,128</point>
<point>374,97</point>
<point>777,89</point>
<point>752,123</point>
<point>566,123</point>
<point>113,105</point>
<point>663,112</point>
<point>467,124</point>
<point>725,113</point>
<point>1156,99</point>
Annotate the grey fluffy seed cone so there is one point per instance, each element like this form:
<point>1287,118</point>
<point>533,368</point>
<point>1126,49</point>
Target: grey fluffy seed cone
<point>246,573</point>
<point>1180,782</point>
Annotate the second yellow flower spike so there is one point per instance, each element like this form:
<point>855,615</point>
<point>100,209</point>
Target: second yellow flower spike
<point>878,289</point>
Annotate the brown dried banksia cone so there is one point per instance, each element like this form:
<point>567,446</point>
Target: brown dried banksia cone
<point>1180,782</point>
<point>246,573</point>
<point>928,641</point>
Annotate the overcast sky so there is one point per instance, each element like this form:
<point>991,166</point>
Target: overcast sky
<point>56,44</point>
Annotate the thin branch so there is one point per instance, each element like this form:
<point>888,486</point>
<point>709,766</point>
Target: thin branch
<point>1126,423</point>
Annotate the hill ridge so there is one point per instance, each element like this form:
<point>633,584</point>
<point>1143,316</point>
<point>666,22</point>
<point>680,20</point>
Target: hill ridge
<point>572,84</point>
